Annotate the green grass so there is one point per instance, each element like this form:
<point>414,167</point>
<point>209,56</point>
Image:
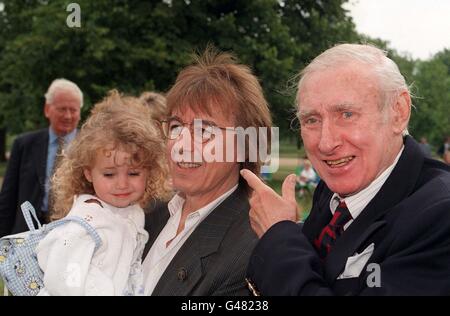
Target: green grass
<point>276,182</point>
<point>9,141</point>
<point>2,290</point>
<point>289,150</point>
<point>2,169</point>
<point>1,287</point>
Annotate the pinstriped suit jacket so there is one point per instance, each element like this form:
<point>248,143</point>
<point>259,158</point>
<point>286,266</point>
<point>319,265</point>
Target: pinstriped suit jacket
<point>214,258</point>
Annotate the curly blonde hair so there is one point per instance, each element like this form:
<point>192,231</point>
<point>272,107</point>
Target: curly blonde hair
<point>120,122</point>
<point>156,102</point>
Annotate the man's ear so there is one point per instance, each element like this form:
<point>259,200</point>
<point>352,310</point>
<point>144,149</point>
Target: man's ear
<point>46,110</point>
<point>87,174</point>
<point>401,111</point>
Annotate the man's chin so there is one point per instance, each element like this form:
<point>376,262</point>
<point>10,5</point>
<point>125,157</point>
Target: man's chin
<point>64,131</point>
<point>342,189</point>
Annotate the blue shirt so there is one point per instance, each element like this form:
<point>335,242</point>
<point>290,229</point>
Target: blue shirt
<point>51,153</point>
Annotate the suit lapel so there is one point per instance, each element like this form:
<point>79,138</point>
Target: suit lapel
<point>350,242</point>
<point>399,184</point>
<point>186,269</point>
<point>320,214</point>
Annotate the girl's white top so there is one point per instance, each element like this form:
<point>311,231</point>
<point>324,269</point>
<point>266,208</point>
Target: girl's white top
<point>66,254</point>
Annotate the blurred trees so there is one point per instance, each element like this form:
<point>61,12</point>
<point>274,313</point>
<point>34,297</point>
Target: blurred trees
<point>135,45</point>
<point>431,117</point>
<point>140,45</point>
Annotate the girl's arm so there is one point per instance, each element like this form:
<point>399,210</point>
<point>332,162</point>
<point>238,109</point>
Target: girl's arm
<point>65,255</point>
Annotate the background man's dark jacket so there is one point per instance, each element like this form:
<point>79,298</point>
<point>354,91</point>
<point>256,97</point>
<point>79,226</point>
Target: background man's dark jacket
<point>24,180</point>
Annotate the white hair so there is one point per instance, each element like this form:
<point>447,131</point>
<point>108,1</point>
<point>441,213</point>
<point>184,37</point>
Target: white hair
<point>390,80</point>
<point>62,84</point>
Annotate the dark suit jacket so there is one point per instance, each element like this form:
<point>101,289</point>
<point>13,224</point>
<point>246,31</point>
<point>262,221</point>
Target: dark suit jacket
<point>408,221</point>
<point>24,180</point>
<point>214,258</point>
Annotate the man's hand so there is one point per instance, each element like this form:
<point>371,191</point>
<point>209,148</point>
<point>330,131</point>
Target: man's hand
<point>266,206</point>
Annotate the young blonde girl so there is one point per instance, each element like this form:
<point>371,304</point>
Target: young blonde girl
<point>110,171</point>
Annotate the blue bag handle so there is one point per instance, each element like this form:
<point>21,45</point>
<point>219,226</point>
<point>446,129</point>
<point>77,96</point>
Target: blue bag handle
<point>28,209</point>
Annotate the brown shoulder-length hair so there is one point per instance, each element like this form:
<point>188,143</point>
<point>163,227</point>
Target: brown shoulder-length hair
<point>216,82</point>
<point>117,122</point>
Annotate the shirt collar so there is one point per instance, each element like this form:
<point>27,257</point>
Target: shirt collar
<point>357,202</point>
<point>176,203</point>
<point>125,212</point>
<point>67,138</point>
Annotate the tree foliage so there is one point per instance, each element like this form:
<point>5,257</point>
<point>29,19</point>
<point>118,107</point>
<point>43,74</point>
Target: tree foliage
<point>429,82</point>
<point>141,45</point>
<point>134,45</point>
<point>431,117</point>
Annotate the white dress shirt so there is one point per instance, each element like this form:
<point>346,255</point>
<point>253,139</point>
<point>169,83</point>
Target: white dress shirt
<point>357,202</point>
<point>161,254</point>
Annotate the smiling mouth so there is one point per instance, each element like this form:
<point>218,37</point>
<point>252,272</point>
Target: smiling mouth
<point>123,195</point>
<point>339,162</point>
<point>188,165</point>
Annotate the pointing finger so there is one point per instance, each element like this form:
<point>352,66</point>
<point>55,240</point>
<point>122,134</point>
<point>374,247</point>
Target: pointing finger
<point>288,188</point>
<point>253,181</point>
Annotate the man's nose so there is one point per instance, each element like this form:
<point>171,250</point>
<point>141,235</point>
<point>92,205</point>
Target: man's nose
<point>67,114</point>
<point>329,138</point>
<point>185,142</point>
<point>184,148</point>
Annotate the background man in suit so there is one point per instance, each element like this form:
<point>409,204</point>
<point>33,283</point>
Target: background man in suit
<point>200,242</point>
<point>380,221</point>
<point>33,154</point>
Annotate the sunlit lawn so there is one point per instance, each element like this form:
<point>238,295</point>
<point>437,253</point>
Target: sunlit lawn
<point>2,169</point>
<point>2,293</point>
<point>275,183</point>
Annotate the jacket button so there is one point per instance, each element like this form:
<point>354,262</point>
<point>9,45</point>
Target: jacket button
<point>182,274</point>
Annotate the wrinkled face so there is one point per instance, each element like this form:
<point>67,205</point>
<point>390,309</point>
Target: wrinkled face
<point>200,178</point>
<point>348,138</point>
<point>64,112</point>
<point>115,180</point>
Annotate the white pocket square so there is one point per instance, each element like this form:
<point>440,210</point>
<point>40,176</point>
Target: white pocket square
<point>356,263</point>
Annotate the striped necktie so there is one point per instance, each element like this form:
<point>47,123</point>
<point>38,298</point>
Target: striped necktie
<point>327,237</point>
<point>56,162</point>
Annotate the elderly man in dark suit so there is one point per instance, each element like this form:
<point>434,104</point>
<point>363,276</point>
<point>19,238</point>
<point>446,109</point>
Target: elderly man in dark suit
<point>200,242</point>
<point>380,221</point>
<point>33,156</point>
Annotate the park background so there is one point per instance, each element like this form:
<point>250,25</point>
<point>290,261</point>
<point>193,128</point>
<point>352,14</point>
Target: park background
<point>135,46</point>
